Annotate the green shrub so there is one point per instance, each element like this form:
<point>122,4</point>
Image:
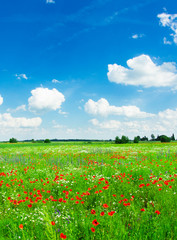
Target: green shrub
<point>117,140</point>
<point>13,140</point>
<point>47,141</point>
<point>136,140</point>
<point>164,138</point>
<point>123,139</point>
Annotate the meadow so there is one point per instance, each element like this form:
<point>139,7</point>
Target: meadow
<point>89,191</point>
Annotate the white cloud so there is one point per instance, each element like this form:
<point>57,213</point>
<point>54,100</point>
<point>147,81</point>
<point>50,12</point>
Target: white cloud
<point>44,99</point>
<point>19,108</point>
<point>169,20</point>
<point>166,42</point>
<point>144,72</point>
<point>112,124</point>
<point>63,113</point>
<point>56,81</point>
<point>21,76</point>
<point>6,120</point>
<point>123,127</point>
<point>1,100</point>
<point>169,114</point>
<point>136,36</point>
<point>50,1</point>
<point>164,122</point>
<point>102,107</point>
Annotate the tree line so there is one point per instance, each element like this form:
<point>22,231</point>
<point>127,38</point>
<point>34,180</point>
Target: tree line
<point>137,139</point>
<point>122,140</point>
<point>14,140</point>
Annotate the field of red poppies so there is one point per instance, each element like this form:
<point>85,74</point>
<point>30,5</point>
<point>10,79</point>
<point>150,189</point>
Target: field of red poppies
<point>88,191</point>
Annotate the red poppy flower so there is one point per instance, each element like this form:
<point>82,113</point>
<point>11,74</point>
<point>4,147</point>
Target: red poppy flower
<point>21,226</point>
<point>93,229</point>
<point>105,205</point>
<point>53,223</point>
<point>63,236</point>
<point>102,214</point>
<point>111,213</point>
<point>93,211</point>
<point>95,223</point>
<point>157,212</point>
<point>142,210</point>
<point>30,205</point>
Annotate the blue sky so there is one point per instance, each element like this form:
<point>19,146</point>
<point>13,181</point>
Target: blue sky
<point>88,69</point>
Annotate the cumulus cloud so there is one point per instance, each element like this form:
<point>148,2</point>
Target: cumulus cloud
<point>144,72</point>
<point>6,120</point>
<point>164,122</point>
<point>168,114</point>
<point>102,107</point>
<point>21,76</point>
<point>44,99</point>
<point>169,20</point>
<point>112,124</point>
<point>123,127</point>
<point>19,108</point>
<point>1,100</point>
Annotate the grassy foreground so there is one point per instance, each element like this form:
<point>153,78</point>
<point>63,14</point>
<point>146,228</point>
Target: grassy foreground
<point>88,191</point>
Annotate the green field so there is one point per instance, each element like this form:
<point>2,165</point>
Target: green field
<point>88,191</point>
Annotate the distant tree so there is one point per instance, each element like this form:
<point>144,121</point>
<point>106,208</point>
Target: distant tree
<point>173,137</point>
<point>144,138</point>
<point>47,141</point>
<point>136,140</point>
<point>13,140</point>
<point>124,139</point>
<point>117,140</point>
<point>33,141</point>
<point>152,137</point>
<point>139,138</point>
<point>164,138</point>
